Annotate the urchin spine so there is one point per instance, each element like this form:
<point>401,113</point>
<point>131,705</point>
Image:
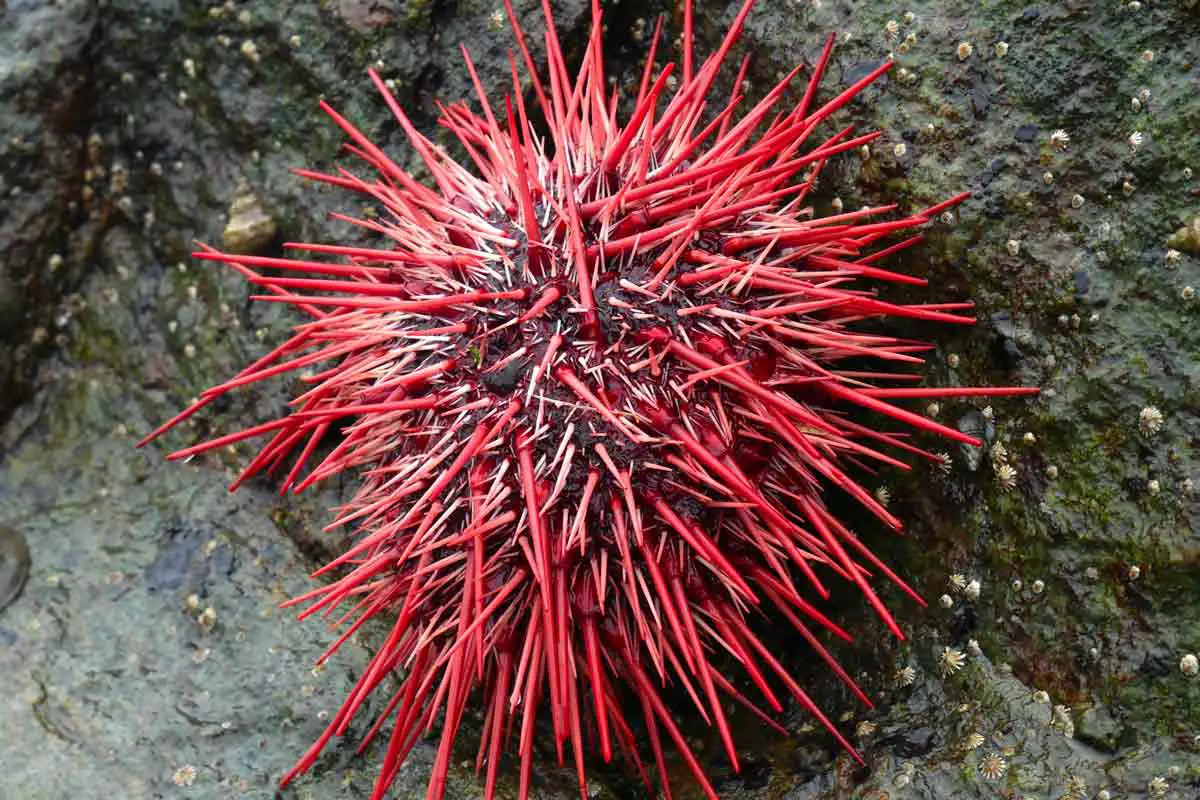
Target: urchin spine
<point>596,389</point>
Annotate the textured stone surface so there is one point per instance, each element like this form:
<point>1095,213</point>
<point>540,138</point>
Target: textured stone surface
<point>47,98</point>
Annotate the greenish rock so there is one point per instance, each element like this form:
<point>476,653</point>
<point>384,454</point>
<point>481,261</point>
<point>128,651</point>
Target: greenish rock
<point>46,75</point>
<point>1096,727</point>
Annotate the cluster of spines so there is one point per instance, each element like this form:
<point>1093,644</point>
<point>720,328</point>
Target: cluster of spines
<point>608,523</point>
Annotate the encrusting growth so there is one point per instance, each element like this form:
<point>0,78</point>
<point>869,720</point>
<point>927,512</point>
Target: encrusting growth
<point>596,384</point>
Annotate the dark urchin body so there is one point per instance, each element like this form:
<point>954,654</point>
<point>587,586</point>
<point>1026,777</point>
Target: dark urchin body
<point>595,389</point>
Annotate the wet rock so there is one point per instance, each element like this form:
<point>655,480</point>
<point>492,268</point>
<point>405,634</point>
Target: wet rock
<point>46,99</point>
<point>992,172</point>
<point>1008,338</point>
<point>913,743</point>
<point>182,561</point>
<point>14,564</point>
<point>365,16</point>
<point>1083,283</point>
<point>1026,133</point>
<point>12,303</point>
<point>1095,726</point>
<point>974,424</point>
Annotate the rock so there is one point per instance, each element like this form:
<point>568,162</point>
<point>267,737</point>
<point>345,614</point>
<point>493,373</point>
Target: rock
<point>974,424</point>
<point>1095,726</point>
<point>14,564</point>
<point>46,100</point>
<point>12,304</point>
<point>364,16</point>
<point>1083,283</point>
<point>913,743</point>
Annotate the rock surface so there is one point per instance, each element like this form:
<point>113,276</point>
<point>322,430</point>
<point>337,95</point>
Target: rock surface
<point>147,657</point>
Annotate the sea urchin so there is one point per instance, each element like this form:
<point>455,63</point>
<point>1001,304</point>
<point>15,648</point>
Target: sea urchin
<point>596,388</point>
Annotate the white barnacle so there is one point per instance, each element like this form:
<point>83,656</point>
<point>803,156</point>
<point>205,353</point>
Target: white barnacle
<point>250,50</point>
<point>1076,788</point>
<point>1060,720</point>
<point>905,676</point>
<point>1006,477</point>
<point>184,776</point>
<point>993,766</point>
<point>1150,420</point>
<point>951,661</point>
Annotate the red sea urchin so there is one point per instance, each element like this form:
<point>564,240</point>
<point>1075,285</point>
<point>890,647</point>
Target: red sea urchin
<point>596,390</point>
